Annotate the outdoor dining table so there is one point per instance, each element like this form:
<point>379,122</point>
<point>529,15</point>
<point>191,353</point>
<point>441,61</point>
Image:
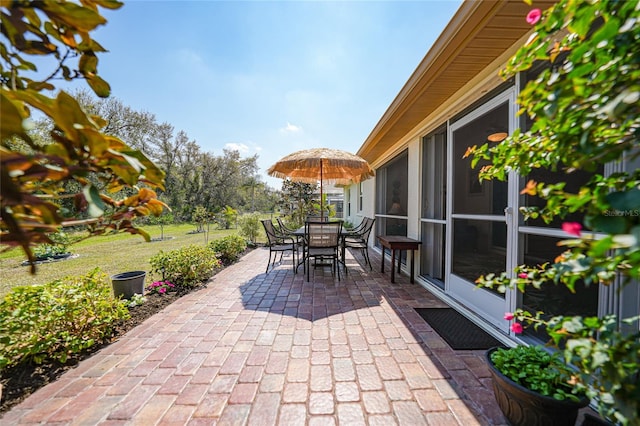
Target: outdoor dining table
<point>343,234</point>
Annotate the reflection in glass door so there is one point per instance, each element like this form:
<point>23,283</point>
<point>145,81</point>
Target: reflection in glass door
<point>479,220</point>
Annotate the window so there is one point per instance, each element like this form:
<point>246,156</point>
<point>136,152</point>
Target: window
<point>360,197</point>
<point>392,196</point>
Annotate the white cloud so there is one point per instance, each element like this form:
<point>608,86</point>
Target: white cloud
<point>291,128</point>
<point>240,147</point>
<point>245,149</point>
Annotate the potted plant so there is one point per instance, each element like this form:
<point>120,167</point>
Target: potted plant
<point>605,361</point>
<point>532,386</point>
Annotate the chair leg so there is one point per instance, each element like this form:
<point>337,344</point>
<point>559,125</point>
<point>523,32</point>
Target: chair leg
<point>268,263</point>
<point>365,252</point>
<point>293,255</point>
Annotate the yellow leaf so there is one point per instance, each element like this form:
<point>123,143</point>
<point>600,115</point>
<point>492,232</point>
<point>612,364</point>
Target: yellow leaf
<point>156,206</point>
<point>146,194</point>
<point>142,210</point>
<point>13,113</point>
<point>131,201</point>
<point>96,141</point>
<point>69,116</point>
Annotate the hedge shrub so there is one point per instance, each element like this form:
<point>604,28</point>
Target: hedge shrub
<point>187,266</point>
<point>228,249</point>
<point>55,320</point>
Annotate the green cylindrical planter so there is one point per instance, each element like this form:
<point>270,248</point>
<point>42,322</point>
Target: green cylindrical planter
<point>127,284</point>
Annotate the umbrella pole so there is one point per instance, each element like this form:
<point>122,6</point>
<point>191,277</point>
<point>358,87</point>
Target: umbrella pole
<point>321,206</point>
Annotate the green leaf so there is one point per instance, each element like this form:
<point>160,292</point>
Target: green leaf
<point>608,224</point>
<point>607,31</point>
<point>75,16</point>
<point>599,359</point>
<point>88,63</point>
<point>99,86</point>
<point>92,195</point>
<point>625,201</point>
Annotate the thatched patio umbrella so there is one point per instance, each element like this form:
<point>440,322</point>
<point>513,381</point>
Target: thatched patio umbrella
<point>322,164</point>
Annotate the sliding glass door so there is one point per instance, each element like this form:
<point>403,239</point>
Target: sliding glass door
<point>434,207</point>
<point>480,230</point>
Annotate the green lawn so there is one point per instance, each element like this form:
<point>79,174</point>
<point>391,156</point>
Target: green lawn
<point>112,254</point>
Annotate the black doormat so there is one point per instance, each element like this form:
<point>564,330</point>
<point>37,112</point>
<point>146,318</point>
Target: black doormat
<point>459,332</point>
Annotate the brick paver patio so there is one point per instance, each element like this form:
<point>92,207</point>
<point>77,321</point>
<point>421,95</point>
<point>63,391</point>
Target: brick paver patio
<point>261,349</point>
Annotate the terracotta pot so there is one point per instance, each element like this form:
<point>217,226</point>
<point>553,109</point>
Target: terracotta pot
<point>523,407</point>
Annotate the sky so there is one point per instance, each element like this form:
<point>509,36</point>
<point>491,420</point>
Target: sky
<point>267,77</point>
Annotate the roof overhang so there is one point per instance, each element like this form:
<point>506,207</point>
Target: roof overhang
<point>479,33</point>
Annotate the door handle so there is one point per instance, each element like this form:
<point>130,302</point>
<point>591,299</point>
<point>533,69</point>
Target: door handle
<point>508,211</point>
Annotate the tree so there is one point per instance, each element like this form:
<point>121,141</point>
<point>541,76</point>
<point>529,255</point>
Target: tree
<point>585,110</point>
<point>297,199</point>
<point>33,174</point>
<point>227,217</point>
<point>250,184</point>
<point>162,220</point>
<point>138,128</point>
<point>200,216</point>
<point>166,150</point>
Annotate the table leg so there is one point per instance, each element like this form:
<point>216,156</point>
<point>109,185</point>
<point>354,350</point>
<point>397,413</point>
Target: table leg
<point>382,262</point>
<point>413,256</point>
<point>399,259</point>
<point>393,259</point>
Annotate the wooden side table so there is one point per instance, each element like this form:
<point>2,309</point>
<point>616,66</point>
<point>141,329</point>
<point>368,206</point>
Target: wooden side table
<point>397,242</point>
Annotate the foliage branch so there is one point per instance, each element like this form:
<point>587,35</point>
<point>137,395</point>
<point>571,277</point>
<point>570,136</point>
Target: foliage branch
<point>33,174</point>
<point>585,111</point>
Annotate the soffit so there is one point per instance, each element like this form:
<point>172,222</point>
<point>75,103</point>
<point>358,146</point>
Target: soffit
<point>478,33</point>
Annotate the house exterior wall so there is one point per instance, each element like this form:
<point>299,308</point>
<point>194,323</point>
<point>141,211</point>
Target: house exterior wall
<point>479,226</point>
<point>368,202</point>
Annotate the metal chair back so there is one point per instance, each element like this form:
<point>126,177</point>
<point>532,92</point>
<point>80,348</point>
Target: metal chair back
<point>323,234</point>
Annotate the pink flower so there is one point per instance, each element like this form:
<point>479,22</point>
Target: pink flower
<point>508,316</point>
<point>534,16</point>
<point>162,290</point>
<point>516,327</point>
<point>572,228</point>
<point>522,275</point>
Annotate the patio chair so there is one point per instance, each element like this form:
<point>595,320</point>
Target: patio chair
<point>290,232</point>
<point>317,218</point>
<point>358,228</point>
<point>279,243</point>
<point>322,242</point>
<point>284,229</point>
<point>360,240</point>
